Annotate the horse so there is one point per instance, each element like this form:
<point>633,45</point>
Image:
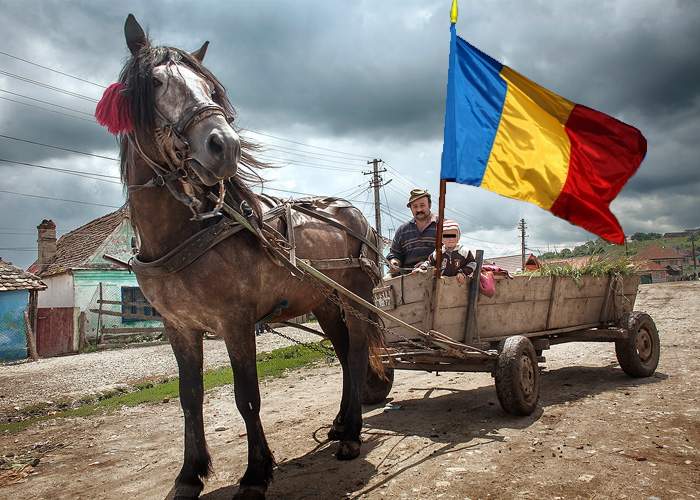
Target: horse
<point>178,144</point>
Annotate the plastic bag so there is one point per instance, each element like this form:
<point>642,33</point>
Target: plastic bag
<point>487,283</point>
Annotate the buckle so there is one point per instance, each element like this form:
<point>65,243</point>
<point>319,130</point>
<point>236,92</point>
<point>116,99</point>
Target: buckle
<point>159,180</point>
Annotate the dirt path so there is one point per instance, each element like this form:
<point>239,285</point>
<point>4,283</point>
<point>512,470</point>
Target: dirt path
<point>597,433</point>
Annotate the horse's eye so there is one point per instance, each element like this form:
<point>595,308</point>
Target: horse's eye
<point>156,83</point>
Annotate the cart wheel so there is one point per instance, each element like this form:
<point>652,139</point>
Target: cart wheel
<point>376,390</point>
<point>638,354</point>
<point>518,376</point>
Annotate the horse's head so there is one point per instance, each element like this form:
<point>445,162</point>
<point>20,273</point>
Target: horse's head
<point>179,110</point>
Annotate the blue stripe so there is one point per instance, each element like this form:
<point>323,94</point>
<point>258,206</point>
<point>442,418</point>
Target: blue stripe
<point>475,96</point>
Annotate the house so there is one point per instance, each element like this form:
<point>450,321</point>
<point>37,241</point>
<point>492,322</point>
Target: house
<point>18,293</point>
<point>81,284</point>
<point>514,263</point>
<point>670,258</point>
<point>652,272</point>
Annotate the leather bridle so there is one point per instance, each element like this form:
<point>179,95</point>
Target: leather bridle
<point>174,149</point>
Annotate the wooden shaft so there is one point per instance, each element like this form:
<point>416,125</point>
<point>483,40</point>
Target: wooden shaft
<point>438,237</point>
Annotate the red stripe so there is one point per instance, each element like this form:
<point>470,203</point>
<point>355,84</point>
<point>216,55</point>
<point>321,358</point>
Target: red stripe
<point>605,153</point>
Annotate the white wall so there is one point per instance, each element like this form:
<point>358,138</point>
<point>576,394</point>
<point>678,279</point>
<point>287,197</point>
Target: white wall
<point>59,292</point>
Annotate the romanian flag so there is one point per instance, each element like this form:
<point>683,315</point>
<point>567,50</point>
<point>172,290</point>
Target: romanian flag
<point>507,134</point>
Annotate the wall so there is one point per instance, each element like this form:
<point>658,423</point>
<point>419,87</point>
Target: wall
<point>59,292</point>
<point>87,284</point>
<point>13,340</point>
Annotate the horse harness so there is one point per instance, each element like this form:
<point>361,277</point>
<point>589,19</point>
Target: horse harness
<point>172,144</point>
<point>280,247</point>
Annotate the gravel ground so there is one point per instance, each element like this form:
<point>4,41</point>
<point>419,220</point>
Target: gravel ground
<point>70,377</point>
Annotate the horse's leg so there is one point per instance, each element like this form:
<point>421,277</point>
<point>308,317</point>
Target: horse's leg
<point>357,357</point>
<point>187,347</point>
<point>331,321</point>
<point>240,343</point>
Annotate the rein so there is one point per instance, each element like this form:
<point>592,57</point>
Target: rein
<point>174,149</point>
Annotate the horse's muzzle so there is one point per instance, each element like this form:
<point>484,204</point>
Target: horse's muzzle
<point>223,148</point>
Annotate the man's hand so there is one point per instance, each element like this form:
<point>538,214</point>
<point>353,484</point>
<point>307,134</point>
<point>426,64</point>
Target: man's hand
<point>461,278</point>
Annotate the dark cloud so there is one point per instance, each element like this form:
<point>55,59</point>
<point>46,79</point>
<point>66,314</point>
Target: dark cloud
<point>365,77</point>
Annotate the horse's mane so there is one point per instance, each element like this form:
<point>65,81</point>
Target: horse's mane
<point>137,77</point>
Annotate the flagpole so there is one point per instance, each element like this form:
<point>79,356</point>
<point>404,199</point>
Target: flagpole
<point>438,237</point>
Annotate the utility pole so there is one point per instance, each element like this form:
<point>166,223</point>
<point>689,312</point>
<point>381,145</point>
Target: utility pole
<point>522,227</point>
<point>376,183</point>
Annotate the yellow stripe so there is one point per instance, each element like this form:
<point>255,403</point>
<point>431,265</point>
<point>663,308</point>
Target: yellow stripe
<point>530,156</point>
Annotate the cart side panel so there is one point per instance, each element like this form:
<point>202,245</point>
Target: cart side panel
<point>585,303</point>
<point>519,306</point>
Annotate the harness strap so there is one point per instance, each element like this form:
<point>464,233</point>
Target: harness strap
<point>334,223</point>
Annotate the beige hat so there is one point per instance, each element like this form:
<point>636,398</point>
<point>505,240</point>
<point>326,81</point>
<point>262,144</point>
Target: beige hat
<point>417,194</point>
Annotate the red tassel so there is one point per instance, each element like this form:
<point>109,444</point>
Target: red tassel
<point>113,110</point>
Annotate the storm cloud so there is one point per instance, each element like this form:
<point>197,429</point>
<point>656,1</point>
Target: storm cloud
<point>366,78</point>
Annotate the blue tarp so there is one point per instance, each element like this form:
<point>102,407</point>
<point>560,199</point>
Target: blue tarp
<point>13,340</point>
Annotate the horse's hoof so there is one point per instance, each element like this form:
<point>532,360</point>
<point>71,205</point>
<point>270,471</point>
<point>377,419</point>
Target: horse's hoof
<point>348,450</point>
<point>250,493</point>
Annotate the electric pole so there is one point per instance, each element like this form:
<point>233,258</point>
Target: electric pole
<point>522,227</point>
<point>376,183</point>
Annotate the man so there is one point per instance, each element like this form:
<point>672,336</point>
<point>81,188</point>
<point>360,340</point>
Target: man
<point>415,239</point>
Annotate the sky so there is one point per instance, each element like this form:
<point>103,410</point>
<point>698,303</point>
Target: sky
<point>327,86</point>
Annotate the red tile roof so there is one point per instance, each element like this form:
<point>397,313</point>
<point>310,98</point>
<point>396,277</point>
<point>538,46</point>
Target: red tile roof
<point>76,247</point>
<point>14,278</point>
<point>512,262</point>
<point>649,265</point>
<point>655,252</point>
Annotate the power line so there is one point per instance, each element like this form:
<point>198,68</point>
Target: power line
<point>79,173</point>
<point>58,199</point>
<point>47,102</point>
<point>47,86</point>
<point>52,69</point>
<point>306,144</point>
<point>58,147</point>
<point>46,109</point>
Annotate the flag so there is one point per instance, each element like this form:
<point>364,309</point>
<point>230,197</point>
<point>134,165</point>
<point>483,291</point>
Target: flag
<point>507,134</point>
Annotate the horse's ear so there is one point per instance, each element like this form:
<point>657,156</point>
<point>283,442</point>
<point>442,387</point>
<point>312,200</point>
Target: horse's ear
<point>135,37</point>
<point>201,52</point>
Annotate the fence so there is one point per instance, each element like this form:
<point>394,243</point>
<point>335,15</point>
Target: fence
<point>120,314</point>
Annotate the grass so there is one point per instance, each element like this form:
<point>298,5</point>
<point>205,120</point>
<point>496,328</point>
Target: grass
<point>596,266</point>
<point>270,365</point>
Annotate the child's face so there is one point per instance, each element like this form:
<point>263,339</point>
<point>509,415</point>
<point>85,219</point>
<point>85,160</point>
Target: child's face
<point>449,239</point>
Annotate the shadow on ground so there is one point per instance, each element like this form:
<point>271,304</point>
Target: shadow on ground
<point>449,419</point>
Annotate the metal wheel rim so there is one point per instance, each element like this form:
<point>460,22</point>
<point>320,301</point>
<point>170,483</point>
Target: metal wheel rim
<point>527,376</point>
<point>644,345</point>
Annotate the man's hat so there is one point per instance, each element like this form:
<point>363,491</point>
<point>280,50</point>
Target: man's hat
<point>416,194</point>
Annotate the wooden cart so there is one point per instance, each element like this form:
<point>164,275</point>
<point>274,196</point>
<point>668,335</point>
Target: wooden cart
<point>507,333</point>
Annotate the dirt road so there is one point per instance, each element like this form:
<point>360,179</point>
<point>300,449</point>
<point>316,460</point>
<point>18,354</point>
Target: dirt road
<point>597,433</point>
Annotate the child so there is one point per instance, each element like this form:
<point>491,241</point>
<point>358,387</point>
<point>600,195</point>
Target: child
<point>456,260</point>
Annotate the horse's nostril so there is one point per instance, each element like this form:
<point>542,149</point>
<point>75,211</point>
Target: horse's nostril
<point>215,144</point>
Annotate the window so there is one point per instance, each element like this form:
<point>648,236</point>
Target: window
<point>135,307</point>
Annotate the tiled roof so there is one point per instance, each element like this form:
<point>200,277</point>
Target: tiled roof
<point>511,262</point>
<point>74,248</point>
<point>654,252</point>
<point>649,265</point>
<point>14,278</point>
